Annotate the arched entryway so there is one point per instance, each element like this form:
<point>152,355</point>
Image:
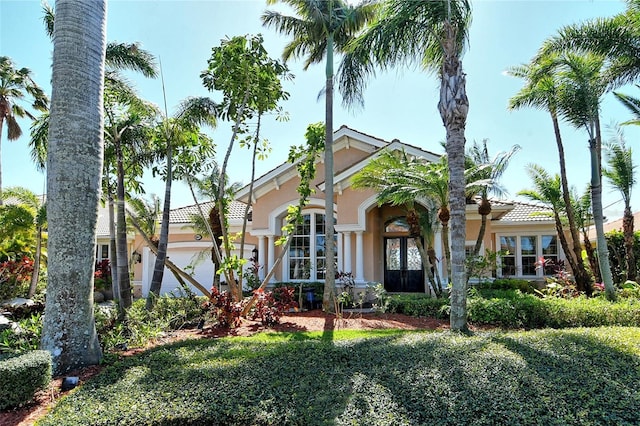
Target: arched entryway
<point>403,270</point>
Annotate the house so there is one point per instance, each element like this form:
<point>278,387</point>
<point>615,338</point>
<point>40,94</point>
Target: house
<point>372,241</point>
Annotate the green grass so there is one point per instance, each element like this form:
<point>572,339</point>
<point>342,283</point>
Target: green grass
<point>546,377</point>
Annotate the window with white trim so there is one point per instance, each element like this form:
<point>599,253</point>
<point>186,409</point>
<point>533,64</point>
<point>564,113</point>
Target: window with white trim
<point>523,253</point>
<point>307,258</point>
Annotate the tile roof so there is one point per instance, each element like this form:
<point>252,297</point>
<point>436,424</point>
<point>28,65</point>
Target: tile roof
<point>184,214</point>
<point>528,212</point>
<point>102,226</point>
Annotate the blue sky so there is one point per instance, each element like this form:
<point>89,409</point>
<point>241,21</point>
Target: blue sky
<point>399,104</point>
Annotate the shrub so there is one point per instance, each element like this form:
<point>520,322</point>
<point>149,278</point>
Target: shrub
<point>24,338</point>
<point>514,309</point>
<point>271,305</point>
<point>15,277</point>
<point>24,375</point>
<point>418,305</point>
<point>507,284</point>
<point>142,326</point>
<point>223,309</point>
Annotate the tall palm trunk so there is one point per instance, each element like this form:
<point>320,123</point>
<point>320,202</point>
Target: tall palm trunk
<point>158,267</point>
<point>454,107</point>
<point>330,274</point>
<point>596,202</point>
<point>485,210</point>
<point>445,216</point>
<point>629,239</point>
<point>74,168</point>
<point>583,280</point>
<point>122,253</point>
<point>113,252</point>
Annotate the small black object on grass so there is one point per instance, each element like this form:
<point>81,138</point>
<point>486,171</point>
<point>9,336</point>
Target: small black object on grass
<point>69,383</point>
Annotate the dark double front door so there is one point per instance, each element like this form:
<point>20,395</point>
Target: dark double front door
<point>402,265</point>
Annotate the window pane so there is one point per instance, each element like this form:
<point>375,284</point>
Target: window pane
<point>319,223</point>
<point>528,265</point>
<point>414,261</point>
<point>398,225</point>
<point>528,245</point>
<point>508,266</point>
<point>299,269</point>
<point>320,269</point>
<point>549,244</point>
<point>509,244</point>
<point>393,254</point>
<point>320,246</point>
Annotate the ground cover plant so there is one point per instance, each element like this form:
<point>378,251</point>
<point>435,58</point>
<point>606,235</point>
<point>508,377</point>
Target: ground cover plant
<point>371,378</point>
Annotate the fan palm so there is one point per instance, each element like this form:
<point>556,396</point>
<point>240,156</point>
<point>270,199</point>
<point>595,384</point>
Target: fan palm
<point>320,27</point>
<point>15,86</point>
<point>541,91</point>
<point>622,177</point>
<point>432,34</point>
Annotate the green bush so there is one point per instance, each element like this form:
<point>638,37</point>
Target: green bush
<point>418,305</point>
<point>22,375</point>
<point>507,284</point>
<point>514,309</point>
<point>23,339</point>
<point>142,326</point>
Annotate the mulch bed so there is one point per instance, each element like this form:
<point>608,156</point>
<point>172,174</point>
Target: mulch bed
<point>315,320</point>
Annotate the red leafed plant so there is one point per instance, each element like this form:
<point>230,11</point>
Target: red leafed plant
<point>272,304</point>
<point>14,275</point>
<point>223,309</point>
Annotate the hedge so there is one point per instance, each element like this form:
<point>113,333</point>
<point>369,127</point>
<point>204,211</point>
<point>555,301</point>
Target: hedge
<point>22,375</point>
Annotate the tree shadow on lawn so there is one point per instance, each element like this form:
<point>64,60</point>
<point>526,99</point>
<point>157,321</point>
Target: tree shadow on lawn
<point>412,379</point>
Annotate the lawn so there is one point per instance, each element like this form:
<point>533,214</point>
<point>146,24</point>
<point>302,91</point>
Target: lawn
<point>587,376</point>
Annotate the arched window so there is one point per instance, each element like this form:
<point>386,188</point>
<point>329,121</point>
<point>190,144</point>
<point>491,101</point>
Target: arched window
<point>307,250</point>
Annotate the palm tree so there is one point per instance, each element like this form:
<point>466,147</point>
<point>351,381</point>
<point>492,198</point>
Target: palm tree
<point>485,176</point>
<point>547,189</point>
<point>118,56</point>
<point>432,34</point>
<point>541,91</point>
<point>128,121</point>
<point>615,37</point>
<point>15,86</point>
<point>73,184</point>
<point>584,219</point>
<point>400,180</point>
<point>180,138</point>
<point>209,223</point>
<point>319,28</point>
<point>622,177</point>
<point>582,84</point>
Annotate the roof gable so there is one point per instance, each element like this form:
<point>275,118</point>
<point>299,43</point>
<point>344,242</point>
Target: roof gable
<point>344,138</point>
<point>342,179</point>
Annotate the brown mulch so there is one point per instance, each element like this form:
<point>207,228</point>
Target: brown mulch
<point>301,321</point>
